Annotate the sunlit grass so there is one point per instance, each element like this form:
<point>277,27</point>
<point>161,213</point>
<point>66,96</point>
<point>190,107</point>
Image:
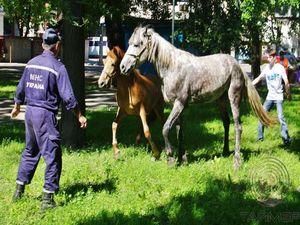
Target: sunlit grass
<point>96,189</point>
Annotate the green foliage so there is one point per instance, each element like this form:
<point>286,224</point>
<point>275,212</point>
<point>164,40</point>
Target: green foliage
<point>212,26</point>
<point>26,13</point>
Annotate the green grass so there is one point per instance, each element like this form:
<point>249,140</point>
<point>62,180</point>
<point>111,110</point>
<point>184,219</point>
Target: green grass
<point>8,82</point>
<point>96,189</point>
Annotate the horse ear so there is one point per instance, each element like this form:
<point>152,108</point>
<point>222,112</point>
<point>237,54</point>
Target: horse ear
<point>115,50</point>
<point>147,32</point>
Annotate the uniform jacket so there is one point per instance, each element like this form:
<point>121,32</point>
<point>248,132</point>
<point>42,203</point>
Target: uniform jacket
<point>44,83</point>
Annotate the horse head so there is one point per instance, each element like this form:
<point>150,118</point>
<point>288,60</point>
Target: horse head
<point>111,66</point>
<point>138,49</point>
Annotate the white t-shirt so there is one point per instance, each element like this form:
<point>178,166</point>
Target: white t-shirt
<point>274,78</point>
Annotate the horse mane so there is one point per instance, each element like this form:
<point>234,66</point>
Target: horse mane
<point>163,51</point>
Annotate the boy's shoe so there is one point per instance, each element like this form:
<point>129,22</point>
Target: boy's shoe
<point>19,192</point>
<point>260,139</point>
<point>48,201</point>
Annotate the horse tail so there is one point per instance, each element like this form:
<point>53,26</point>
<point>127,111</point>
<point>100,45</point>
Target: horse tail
<point>255,102</point>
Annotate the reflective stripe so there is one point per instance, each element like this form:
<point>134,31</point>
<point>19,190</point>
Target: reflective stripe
<point>19,182</point>
<point>43,68</point>
<point>46,191</point>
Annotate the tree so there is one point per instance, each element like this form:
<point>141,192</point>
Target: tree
<point>26,13</point>
<point>73,58</point>
<point>217,26</point>
<point>213,26</point>
<point>258,19</point>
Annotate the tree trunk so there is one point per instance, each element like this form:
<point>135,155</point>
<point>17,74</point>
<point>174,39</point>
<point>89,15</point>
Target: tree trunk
<point>73,58</point>
<point>255,53</point>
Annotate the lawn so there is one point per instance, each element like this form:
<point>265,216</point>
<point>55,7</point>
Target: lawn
<point>96,189</point>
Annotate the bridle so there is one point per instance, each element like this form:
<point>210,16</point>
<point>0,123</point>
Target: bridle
<point>109,75</point>
<point>146,47</point>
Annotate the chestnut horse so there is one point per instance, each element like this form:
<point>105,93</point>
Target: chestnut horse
<point>136,95</point>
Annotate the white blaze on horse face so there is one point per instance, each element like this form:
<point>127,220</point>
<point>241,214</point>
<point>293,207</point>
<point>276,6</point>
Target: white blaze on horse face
<point>137,52</point>
<point>107,72</point>
<point>129,60</point>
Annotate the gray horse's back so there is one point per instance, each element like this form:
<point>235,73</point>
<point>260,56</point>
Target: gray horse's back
<point>212,77</point>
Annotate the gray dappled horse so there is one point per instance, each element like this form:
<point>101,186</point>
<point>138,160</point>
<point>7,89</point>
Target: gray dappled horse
<point>186,78</point>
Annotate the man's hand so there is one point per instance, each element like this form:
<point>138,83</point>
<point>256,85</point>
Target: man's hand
<point>83,121</point>
<point>15,111</point>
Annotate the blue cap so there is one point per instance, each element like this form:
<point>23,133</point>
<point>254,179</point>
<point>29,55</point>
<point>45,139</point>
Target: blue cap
<point>50,37</point>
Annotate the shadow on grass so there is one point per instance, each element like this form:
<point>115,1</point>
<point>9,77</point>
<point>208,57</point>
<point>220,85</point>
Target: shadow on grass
<point>294,146</point>
<point>12,130</point>
<point>82,189</point>
<point>223,202</point>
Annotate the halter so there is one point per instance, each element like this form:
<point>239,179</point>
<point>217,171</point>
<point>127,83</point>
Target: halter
<point>109,75</point>
<point>147,46</point>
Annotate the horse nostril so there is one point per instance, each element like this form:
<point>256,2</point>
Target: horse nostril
<point>101,84</point>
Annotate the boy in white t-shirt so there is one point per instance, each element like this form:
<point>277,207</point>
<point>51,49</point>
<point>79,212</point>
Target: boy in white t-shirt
<point>274,73</point>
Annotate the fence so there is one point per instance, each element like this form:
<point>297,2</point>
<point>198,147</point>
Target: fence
<point>19,49</point>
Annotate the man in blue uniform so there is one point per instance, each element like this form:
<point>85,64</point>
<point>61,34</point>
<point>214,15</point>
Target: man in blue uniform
<point>43,85</point>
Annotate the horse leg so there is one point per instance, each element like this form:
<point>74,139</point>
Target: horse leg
<point>150,119</point>
<point>226,122</point>
<point>119,116</point>
<point>159,112</point>
<point>139,135</point>
<point>143,115</point>
<point>235,93</point>
<point>182,156</point>
<point>174,115</point>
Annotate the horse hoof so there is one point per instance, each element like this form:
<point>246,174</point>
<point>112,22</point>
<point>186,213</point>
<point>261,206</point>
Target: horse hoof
<point>237,161</point>
<point>154,159</point>
<point>156,155</point>
<point>184,159</point>
<point>116,154</point>
<point>138,139</point>
<point>171,161</point>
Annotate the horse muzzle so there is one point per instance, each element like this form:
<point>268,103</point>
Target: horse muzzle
<point>127,64</point>
<point>102,83</point>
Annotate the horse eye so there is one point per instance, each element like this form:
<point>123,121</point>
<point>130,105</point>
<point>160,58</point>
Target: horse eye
<point>141,42</point>
<point>112,64</point>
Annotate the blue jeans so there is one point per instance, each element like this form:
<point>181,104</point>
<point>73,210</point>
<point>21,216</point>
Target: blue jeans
<point>268,104</point>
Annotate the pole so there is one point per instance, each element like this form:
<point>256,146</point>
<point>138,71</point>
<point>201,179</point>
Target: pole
<point>173,21</point>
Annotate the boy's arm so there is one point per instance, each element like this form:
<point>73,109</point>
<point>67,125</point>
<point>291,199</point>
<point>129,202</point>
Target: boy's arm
<point>257,79</point>
<point>287,88</point>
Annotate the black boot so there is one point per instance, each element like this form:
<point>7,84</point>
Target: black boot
<point>18,192</point>
<point>48,201</point>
